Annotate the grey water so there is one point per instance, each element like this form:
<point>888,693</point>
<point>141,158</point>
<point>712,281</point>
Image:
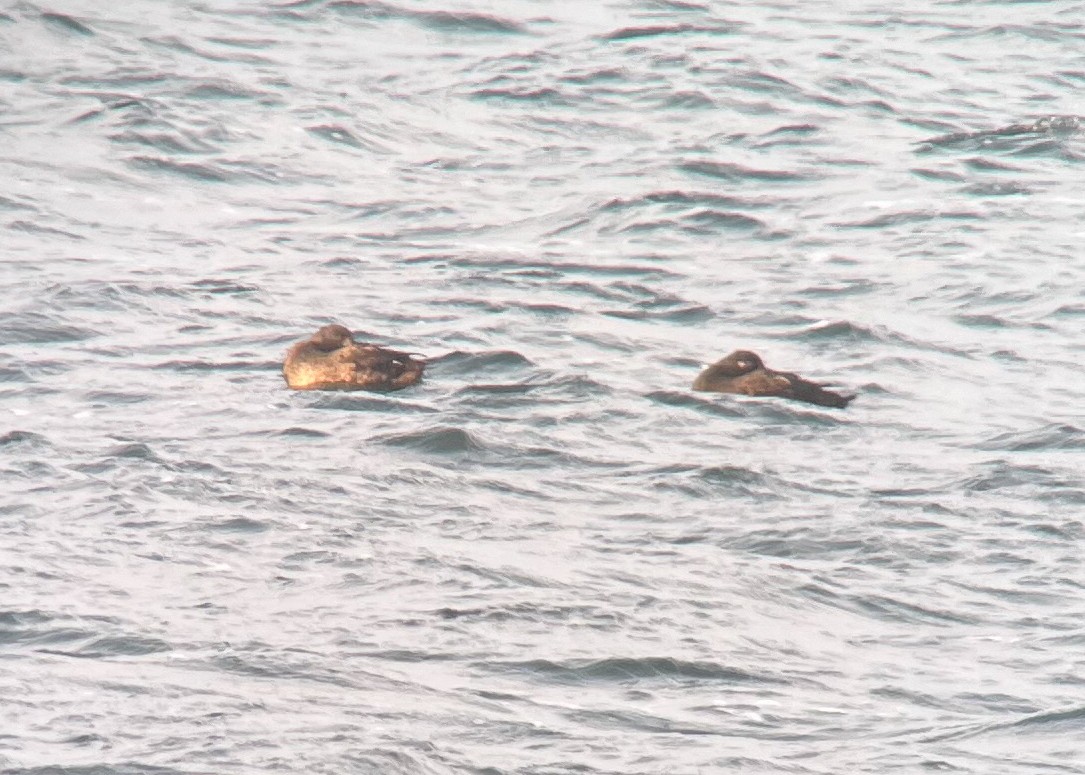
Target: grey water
<point>551,556</point>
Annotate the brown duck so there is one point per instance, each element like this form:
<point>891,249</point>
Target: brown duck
<point>743,372</point>
<point>331,360</point>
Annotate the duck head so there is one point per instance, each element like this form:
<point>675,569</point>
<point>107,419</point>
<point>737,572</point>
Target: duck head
<point>331,338</point>
<point>738,363</point>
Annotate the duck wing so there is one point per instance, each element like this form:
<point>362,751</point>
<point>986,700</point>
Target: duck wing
<point>380,368</point>
<point>762,382</point>
<point>798,389</point>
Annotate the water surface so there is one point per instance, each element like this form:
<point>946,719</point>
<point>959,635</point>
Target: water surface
<point>552,556</point>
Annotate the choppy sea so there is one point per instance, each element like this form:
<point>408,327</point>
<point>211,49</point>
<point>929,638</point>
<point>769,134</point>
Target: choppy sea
<point>552,556</point>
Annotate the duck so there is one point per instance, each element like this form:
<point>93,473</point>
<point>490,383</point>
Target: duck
<point>744,373</point>
<point>331,360</point>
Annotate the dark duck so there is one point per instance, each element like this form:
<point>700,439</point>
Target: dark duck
<point>331,360</point>
<point>743,372</point>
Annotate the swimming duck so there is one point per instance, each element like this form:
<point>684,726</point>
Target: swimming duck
<point>743,372</point>
<point>331,360</point>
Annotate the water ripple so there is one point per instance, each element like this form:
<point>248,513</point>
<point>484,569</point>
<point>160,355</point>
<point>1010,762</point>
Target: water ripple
<point>618,669</point>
